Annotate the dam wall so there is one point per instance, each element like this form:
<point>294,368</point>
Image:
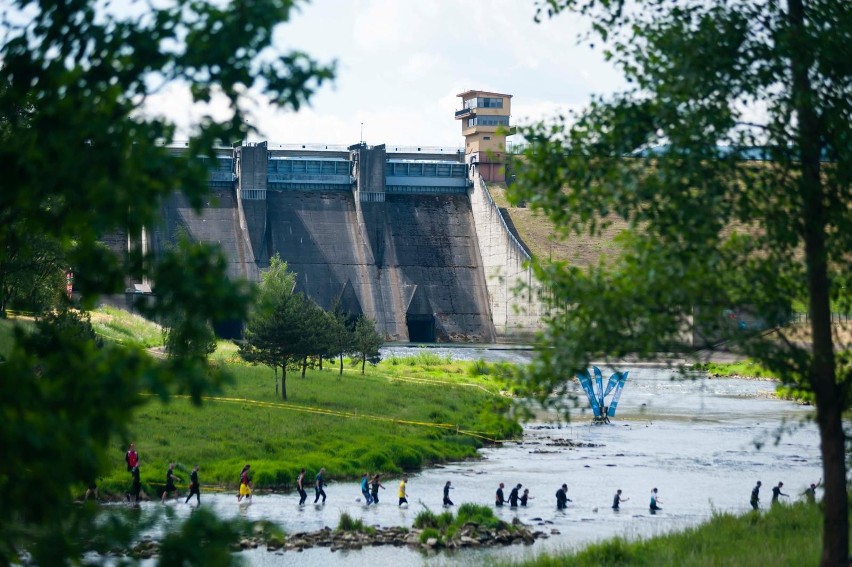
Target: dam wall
<point>514,295</point>
<point>409,262</point>
<point>387,235</point>
<point>404,238</point>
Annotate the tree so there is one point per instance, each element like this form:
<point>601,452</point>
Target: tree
<point>709,228</point>
<point>81,159</point>
<point>313,339</point>
<point>340,329</point>
<point>268,330</point>
<point>366,341</point>
<point>32,273</point>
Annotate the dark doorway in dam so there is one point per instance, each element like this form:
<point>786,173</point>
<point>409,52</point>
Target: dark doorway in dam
<point>421,328</point>
<point>228,329</point>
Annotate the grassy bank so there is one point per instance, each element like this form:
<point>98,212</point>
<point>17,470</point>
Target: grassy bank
<point>404,414</point>
<point>785,535</point>
<point>744,369</point>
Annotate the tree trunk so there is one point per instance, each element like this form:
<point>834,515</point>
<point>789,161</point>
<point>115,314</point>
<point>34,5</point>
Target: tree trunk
<point>304,365</point>
<point>835,542</point>
<point>275,371</point>
<point>320,363</point>
<point>363,362</point>
<point>284,382</point>
<point>341,364</point>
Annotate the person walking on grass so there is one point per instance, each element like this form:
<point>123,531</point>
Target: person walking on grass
<point>403,493</point>
<point>319,483</point>
<point>655,501</point>
<point>776,492</point>
<point>562,497</point>
<point>365,489</point>
<point>194,487</point>
<point>514,496</point>
<point>617,499</point>
<point>300,486</point>
<point>499,500</point>
<point>245,484</point>
<point>526,496</point>
<point>170,483</point>
<point>809,493</point>
<point>447,488</point>
<point>755,495</point>
<point>375,485</point>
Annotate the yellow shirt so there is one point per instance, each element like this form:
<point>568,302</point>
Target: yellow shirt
<point>402,489</point>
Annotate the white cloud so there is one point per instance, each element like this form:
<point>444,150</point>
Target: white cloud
<point>401,65</point>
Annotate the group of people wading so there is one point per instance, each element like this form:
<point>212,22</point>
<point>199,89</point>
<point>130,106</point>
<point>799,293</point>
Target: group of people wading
<point>809,493</point>
<point>370,486</point>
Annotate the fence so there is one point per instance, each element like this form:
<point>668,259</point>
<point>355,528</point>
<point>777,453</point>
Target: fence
<point>836,317</point>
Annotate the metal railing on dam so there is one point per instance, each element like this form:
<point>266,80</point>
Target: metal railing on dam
<point>521,249</point>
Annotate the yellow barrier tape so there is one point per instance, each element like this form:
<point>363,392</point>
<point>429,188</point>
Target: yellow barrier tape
<point>337,413</point>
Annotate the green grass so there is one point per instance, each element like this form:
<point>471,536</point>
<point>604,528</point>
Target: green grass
<point>445,525</point>
<point>349,524</point>
<point>429,519</point>
<point>398,417</point>
<point>122,327</point>
<point>785,535</point>
<point>745,368</point>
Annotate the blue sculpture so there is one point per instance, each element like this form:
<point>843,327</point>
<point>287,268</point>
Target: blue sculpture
<point>597,395</point>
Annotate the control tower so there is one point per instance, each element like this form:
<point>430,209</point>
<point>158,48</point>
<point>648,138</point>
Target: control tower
<point>485,123</point>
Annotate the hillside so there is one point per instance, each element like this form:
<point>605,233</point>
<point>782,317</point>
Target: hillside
<point>537,232</point>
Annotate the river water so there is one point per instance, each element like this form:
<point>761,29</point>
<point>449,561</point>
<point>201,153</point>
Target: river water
<point>703,443</point>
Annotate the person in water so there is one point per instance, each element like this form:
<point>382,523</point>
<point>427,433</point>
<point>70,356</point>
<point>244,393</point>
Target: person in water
<point>809,493</point>
<point>170,483</point>
<point>131,457</point>
<point>194,487</point>
<point>514,496</point>
<point>617,499</point>
<point>403,495</point>
<point>776,492</point>
<point>91,490</point>
<point>245,484</point>
<point>136,488</point>
<point>562,497</point>
<point>319,483</point>
<point>655,501</point>
<point>499,500</point>
<point>375,485</point>
<point>525,496</point>
<point>300,487</point>
<point>755,496</point>
<point>447,488</point>
<point>365,489</point>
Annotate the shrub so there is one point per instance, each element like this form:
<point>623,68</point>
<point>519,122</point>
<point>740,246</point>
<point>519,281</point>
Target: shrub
<point>429,533</point>
<point>479,368</point>
<point>445,519</point>
<point>426,519</point>
<point>477,514</point>
<point>349,524</point>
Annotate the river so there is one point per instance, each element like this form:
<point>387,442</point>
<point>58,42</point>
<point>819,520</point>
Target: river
<point>703,443</point>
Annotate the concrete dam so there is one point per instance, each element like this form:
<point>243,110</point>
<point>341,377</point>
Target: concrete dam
<point>410,239</point>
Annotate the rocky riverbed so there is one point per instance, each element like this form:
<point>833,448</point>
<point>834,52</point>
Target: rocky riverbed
<point>470,535</point>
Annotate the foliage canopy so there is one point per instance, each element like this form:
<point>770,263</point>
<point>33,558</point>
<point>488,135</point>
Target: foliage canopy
<point>81,159</point>
<point>710,231</point>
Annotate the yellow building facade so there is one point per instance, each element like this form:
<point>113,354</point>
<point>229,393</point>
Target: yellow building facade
<point>485,122</point>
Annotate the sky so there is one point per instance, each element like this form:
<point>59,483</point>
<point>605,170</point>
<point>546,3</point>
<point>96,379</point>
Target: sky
<point>401,63</point>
